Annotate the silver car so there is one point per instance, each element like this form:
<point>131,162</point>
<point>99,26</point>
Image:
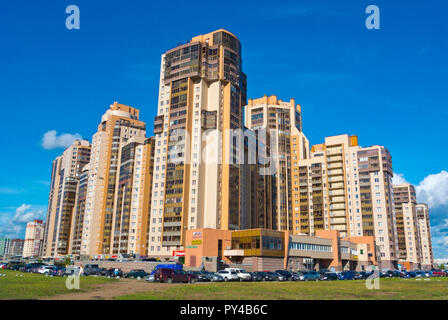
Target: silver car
<point>149,278</point>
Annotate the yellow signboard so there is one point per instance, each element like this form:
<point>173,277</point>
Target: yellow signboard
<point>196,242</point>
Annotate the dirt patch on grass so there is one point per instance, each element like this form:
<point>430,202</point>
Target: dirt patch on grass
<point>108,291</point>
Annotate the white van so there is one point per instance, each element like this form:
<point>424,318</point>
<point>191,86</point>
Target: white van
<point>242,274</point>
<point>228,275</point>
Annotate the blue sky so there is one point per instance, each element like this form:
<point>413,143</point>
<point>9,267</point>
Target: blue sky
<point>388,86</point>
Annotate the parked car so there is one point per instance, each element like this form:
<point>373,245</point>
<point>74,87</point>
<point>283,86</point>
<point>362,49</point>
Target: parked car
<point>35,268</point>
<point>410,274</point>
<point>72,271</point>
<point>309,276</point>
<point>16,267</point>
<point>57,272</point>
<point>329,276</point>
<point>297,274</point>
<point>438,273</point>
<point>264,276</point>
<point>167,266</point>
<point>254,276</point>
<point>393,274</point>
<point>276,276</point>
<point>363,275</point>
<point>11,264</point>
<point>347,275</point>
<point>289,276</point>
<point>242,274</point>
<point>46,269</point>
<point>201,276</point>
<point>209,276</point>
<point>2,265</point>
<point>323,271</point>
<point>420,274</point>
<point>112,272</point>
<point>136,273</point>
<point>173,275</point>
<point>26,268</point>
<point>228,275</point>
<point>91,269</point>
<point>149,278</point>
<point>216,277</point>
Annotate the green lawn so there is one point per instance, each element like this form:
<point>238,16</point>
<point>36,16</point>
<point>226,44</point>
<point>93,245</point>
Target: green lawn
<point>33,286</point>
<point>353,290</point>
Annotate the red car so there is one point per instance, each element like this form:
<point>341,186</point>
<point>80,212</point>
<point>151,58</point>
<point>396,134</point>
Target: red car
<point>439,273</point>
<point>173,275</point>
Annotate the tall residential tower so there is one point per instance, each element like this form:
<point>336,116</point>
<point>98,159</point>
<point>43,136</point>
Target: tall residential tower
<point>61,202</point>
<point>106,218</point>
<point>201,96</point>
<point>281,124</point>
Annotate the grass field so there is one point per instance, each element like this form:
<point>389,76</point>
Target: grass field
<point>390,289</point>
<point>35,286</point>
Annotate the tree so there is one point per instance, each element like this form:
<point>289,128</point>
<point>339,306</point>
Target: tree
<point>67,261</point>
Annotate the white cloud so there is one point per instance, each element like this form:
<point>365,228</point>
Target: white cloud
<point>398,179</point>
<point>13,223</point>
<point>51,140</point>
<point>433,189</point>
<point>25,215</point>
<point>444,241</point>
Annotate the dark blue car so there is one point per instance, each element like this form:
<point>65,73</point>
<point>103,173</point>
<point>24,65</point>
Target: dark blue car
<point>347,275</point>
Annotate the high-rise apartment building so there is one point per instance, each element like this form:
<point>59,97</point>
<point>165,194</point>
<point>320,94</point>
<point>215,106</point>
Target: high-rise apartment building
<point>16,247</point>
<point>78,212</point>
<point>34,237</point>
<point>424,230</point>
<point>281,124</point>
<point>106,196</point>
<point>201,95</point>
<point>407,225</point>
<point>4,246</point>
<point>256,183</point>
<point>133,197</point>
<point>64,182</point>
<point>348,188</point>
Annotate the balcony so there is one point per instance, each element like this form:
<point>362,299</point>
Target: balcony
<point>234,253</point>
<point>334,165</point>
<point>335,172</point>
<point>336,179</point>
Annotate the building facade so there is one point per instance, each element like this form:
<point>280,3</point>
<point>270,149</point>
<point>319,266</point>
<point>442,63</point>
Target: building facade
<point>263,249</point>
<point>196,183</point>
<point>66,171</point>
<point>280,123</point>
<point>4,246</point>
<point>424,230</point>
<point>34,238</point>
<point>105,226</point>
<point>407,226</point>
<point>16,247</point>
<point>345,187</point>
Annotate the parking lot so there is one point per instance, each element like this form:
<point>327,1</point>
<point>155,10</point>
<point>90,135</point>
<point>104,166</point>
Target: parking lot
<point>174,273</point>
